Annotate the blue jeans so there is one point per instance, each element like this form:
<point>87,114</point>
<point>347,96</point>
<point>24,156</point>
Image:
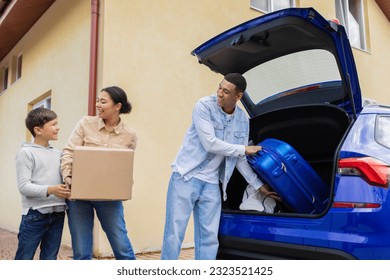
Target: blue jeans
<point>44,229</point>
<point>183,198</point>
<point>111,217</point>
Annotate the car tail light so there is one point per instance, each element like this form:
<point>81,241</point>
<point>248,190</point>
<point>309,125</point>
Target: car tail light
<point>373,171</point>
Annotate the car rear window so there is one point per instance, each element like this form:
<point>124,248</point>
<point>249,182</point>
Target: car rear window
<point>291,71</point>
<point>382,135</point>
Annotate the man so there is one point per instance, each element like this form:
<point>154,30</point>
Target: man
<point>214,145</point>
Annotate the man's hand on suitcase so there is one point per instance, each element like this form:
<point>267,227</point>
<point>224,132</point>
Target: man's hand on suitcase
<point>265,189</point>
<point>251,150</point>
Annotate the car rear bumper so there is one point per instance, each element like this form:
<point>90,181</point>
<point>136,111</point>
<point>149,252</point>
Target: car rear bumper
<point>243,248</point>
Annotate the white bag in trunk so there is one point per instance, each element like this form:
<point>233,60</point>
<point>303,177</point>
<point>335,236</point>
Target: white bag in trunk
<point>255,200</point>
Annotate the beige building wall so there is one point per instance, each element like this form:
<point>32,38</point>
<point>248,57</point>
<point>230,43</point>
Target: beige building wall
<point>144,47</point>
<point>146,50</point>
<point>374,64</point>
<point>56,62</point>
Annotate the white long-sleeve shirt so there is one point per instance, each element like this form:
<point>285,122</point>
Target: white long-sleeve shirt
<point>37,168</point>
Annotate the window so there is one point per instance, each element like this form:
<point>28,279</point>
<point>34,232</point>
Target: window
<point>19,67</point>
<point>285,75</point>
<point>16,68</point>
<point>43,103</point>
<point>4,79</point>
<point>350,13</point>
<point>382,135</point>
<point>267,6</point>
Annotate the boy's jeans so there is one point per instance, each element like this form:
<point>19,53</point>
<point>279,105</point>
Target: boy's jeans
<point>183,197</point>
<point>111,217</point>
<point>44,229</point>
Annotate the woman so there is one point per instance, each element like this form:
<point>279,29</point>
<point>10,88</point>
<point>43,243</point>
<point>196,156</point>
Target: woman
<point>105,130</point>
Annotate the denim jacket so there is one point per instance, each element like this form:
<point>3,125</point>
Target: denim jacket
<point>209,134</point>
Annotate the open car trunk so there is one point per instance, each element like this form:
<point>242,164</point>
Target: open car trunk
<point>315,131</point>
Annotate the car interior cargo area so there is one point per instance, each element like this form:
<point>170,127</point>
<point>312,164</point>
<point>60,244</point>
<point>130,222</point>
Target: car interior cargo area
<point>314,131</point>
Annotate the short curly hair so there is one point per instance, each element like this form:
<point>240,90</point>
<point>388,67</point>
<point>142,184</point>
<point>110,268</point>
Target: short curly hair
<point>238,80</point>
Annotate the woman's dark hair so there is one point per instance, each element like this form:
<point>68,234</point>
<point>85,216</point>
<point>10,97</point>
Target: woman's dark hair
<point>118,95</point>
<point>238,80</point>
<point>38,117</point>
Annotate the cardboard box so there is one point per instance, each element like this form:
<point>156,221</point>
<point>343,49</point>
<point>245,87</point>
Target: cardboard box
<point>102,173</point>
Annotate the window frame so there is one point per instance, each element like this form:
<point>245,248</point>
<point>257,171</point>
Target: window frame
<point>4,78</point>
<point>270,4</point>
<point>42,101</point>
<point>19,65</point>
<point>346,17</point>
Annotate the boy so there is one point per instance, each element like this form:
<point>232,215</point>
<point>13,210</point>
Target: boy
<point>41,187</point>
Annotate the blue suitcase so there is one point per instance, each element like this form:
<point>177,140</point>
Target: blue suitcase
<point>281,167</point>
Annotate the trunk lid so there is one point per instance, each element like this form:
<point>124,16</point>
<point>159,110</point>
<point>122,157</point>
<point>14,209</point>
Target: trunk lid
<point>290,57</point>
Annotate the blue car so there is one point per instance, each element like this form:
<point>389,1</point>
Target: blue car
<point>303,89</point>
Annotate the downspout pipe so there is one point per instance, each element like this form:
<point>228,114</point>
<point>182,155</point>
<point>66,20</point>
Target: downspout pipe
<point>93,57</point>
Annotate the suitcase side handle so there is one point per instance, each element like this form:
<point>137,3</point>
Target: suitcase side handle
<point>291,158</point>
<point>277,171</point>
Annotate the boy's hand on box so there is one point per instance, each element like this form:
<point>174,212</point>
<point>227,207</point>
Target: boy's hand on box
<point>60,191</point>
